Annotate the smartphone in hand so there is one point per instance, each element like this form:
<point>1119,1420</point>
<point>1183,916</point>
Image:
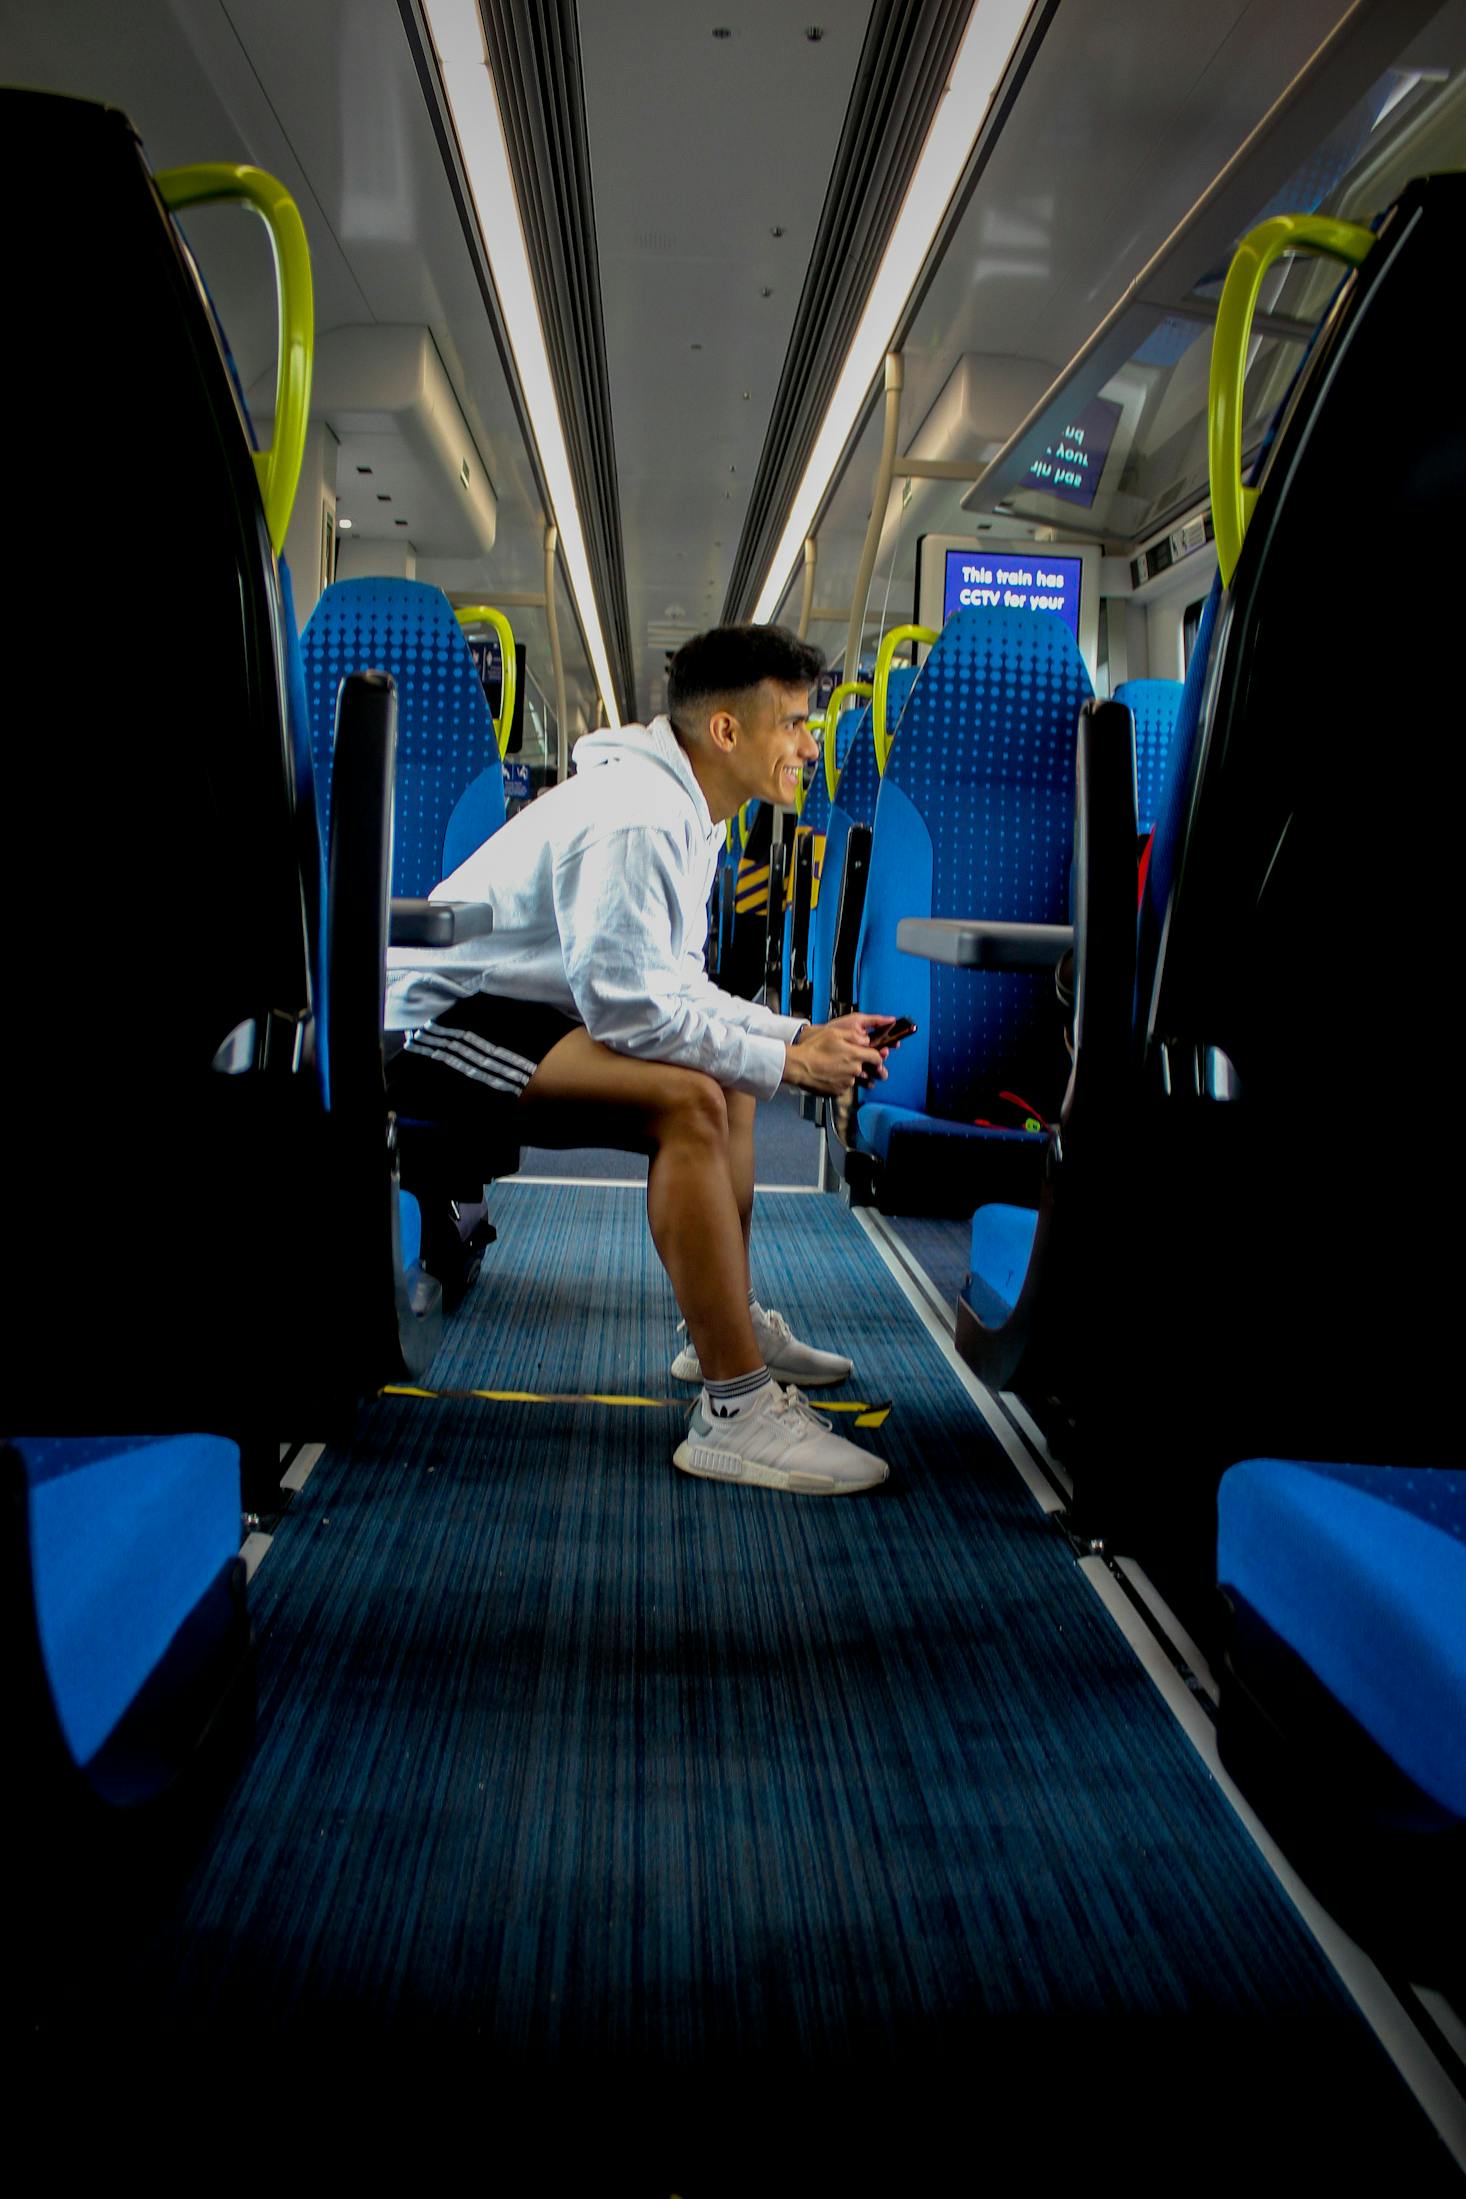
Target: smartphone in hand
<point>892,1035</point>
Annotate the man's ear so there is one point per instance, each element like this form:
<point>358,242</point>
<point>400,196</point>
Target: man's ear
<point>723,731</point>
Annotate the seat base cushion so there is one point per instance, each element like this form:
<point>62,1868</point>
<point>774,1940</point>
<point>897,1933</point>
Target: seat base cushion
<point>1002,1246</point>
<point>927,1166</point>
<point>1361,1572</point>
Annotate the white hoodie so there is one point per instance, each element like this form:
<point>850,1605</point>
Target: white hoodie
<point>599,891</point>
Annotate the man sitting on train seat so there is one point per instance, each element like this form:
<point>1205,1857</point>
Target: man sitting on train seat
<point>586,1018</point>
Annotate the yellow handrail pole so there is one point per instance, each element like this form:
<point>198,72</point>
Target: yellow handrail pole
<point>895,377</point>
<point>227,182</point>
<point>485,614</point>
<point>890,644</point>
<point>831,742</point>
<point>557,662</point>
<point>806,606</point>
<point>1231,501</point>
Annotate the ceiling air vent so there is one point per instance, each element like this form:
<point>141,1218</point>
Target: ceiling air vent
<point>668,634</point>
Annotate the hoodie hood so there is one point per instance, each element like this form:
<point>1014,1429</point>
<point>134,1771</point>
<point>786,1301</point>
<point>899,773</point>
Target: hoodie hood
<point>654,743</point>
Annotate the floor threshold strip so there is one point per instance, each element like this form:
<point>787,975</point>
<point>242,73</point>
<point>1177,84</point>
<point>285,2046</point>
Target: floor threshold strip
<point>1033,1436</point>
<point>1405,2024</point>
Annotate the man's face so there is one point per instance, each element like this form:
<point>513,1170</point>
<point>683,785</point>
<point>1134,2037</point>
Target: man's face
<point>776,743</point>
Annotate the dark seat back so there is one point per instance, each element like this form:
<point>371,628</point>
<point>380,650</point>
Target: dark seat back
<point>168,1128</point>
<point>1299,991</point>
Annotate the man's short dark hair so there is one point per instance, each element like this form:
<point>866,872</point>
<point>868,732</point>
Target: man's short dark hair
<point>729,660</point>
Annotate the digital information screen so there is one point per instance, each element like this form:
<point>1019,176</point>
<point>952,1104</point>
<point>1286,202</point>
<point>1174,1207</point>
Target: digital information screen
<point>1071,468</point>
<point>1004,580</point>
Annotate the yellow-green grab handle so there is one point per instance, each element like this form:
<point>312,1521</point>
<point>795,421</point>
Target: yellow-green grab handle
<point>816,726</point>
<point>831,741</point>
<point>484,614</point>
<point>219,182</point>
<point>744,816</point>
<point>1231,502</point>
<point>892,642</point>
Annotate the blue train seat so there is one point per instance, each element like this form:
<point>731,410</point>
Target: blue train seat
<point>126,1611</point>
<point>1343,1701</point>
<point>1154,705</point>
<point>450,780</point>
<point>449,799</point>
<point>1261,1201</point>
<point>852,804</point>
<point>213,1011</point>
<point>807,872</point>
<point>975,813</point>
<point>1003,1238</point>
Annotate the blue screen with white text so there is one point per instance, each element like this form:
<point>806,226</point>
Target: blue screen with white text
<point>1010,580</point>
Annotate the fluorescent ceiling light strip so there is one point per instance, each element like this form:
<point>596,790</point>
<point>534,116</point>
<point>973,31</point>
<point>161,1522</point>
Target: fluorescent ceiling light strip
<point>993,31</point>
<point>457,33</point>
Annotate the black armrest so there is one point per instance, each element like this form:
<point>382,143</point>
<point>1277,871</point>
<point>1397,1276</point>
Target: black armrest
<point>397,1335</point>
<point>1105,893</point>
<point>774,912</point>
<point>853,881</point>
<point>969,943</point>
<point>438,923</point>
<point>801,988</point>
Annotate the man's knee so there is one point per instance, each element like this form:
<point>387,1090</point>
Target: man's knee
<point>691,1107</point>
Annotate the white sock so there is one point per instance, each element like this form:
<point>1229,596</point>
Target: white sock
<point>725,1400</point>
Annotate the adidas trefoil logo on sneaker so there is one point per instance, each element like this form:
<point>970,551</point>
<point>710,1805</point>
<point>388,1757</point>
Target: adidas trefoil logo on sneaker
<point>777,1442</point>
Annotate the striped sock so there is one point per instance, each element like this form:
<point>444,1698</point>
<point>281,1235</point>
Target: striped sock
<point>725,1400</point>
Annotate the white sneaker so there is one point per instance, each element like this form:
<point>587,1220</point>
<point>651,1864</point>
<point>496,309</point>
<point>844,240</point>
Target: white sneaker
<point>785,1357</point>
<point>777,1443</point>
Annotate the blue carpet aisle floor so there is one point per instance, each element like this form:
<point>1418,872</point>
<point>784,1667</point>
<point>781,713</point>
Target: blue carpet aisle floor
<point>942,1249</point>
<point>609,1802</point>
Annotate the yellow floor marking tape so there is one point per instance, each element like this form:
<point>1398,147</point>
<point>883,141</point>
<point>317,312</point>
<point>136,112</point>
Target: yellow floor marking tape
<point>867,1415</point>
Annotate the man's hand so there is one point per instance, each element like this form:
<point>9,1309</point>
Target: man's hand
<point>830,1057</point>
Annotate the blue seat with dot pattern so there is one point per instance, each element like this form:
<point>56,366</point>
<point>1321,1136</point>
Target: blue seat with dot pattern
<point>1360,1572</point>
<point>855,804</point>
<point>1153,704</point>
<point>975,818</point>
<point>450,782</point>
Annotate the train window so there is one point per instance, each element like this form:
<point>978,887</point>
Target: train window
<point>1137,455</point>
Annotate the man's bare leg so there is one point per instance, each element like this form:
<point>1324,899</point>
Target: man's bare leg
<point>698,1209</point>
